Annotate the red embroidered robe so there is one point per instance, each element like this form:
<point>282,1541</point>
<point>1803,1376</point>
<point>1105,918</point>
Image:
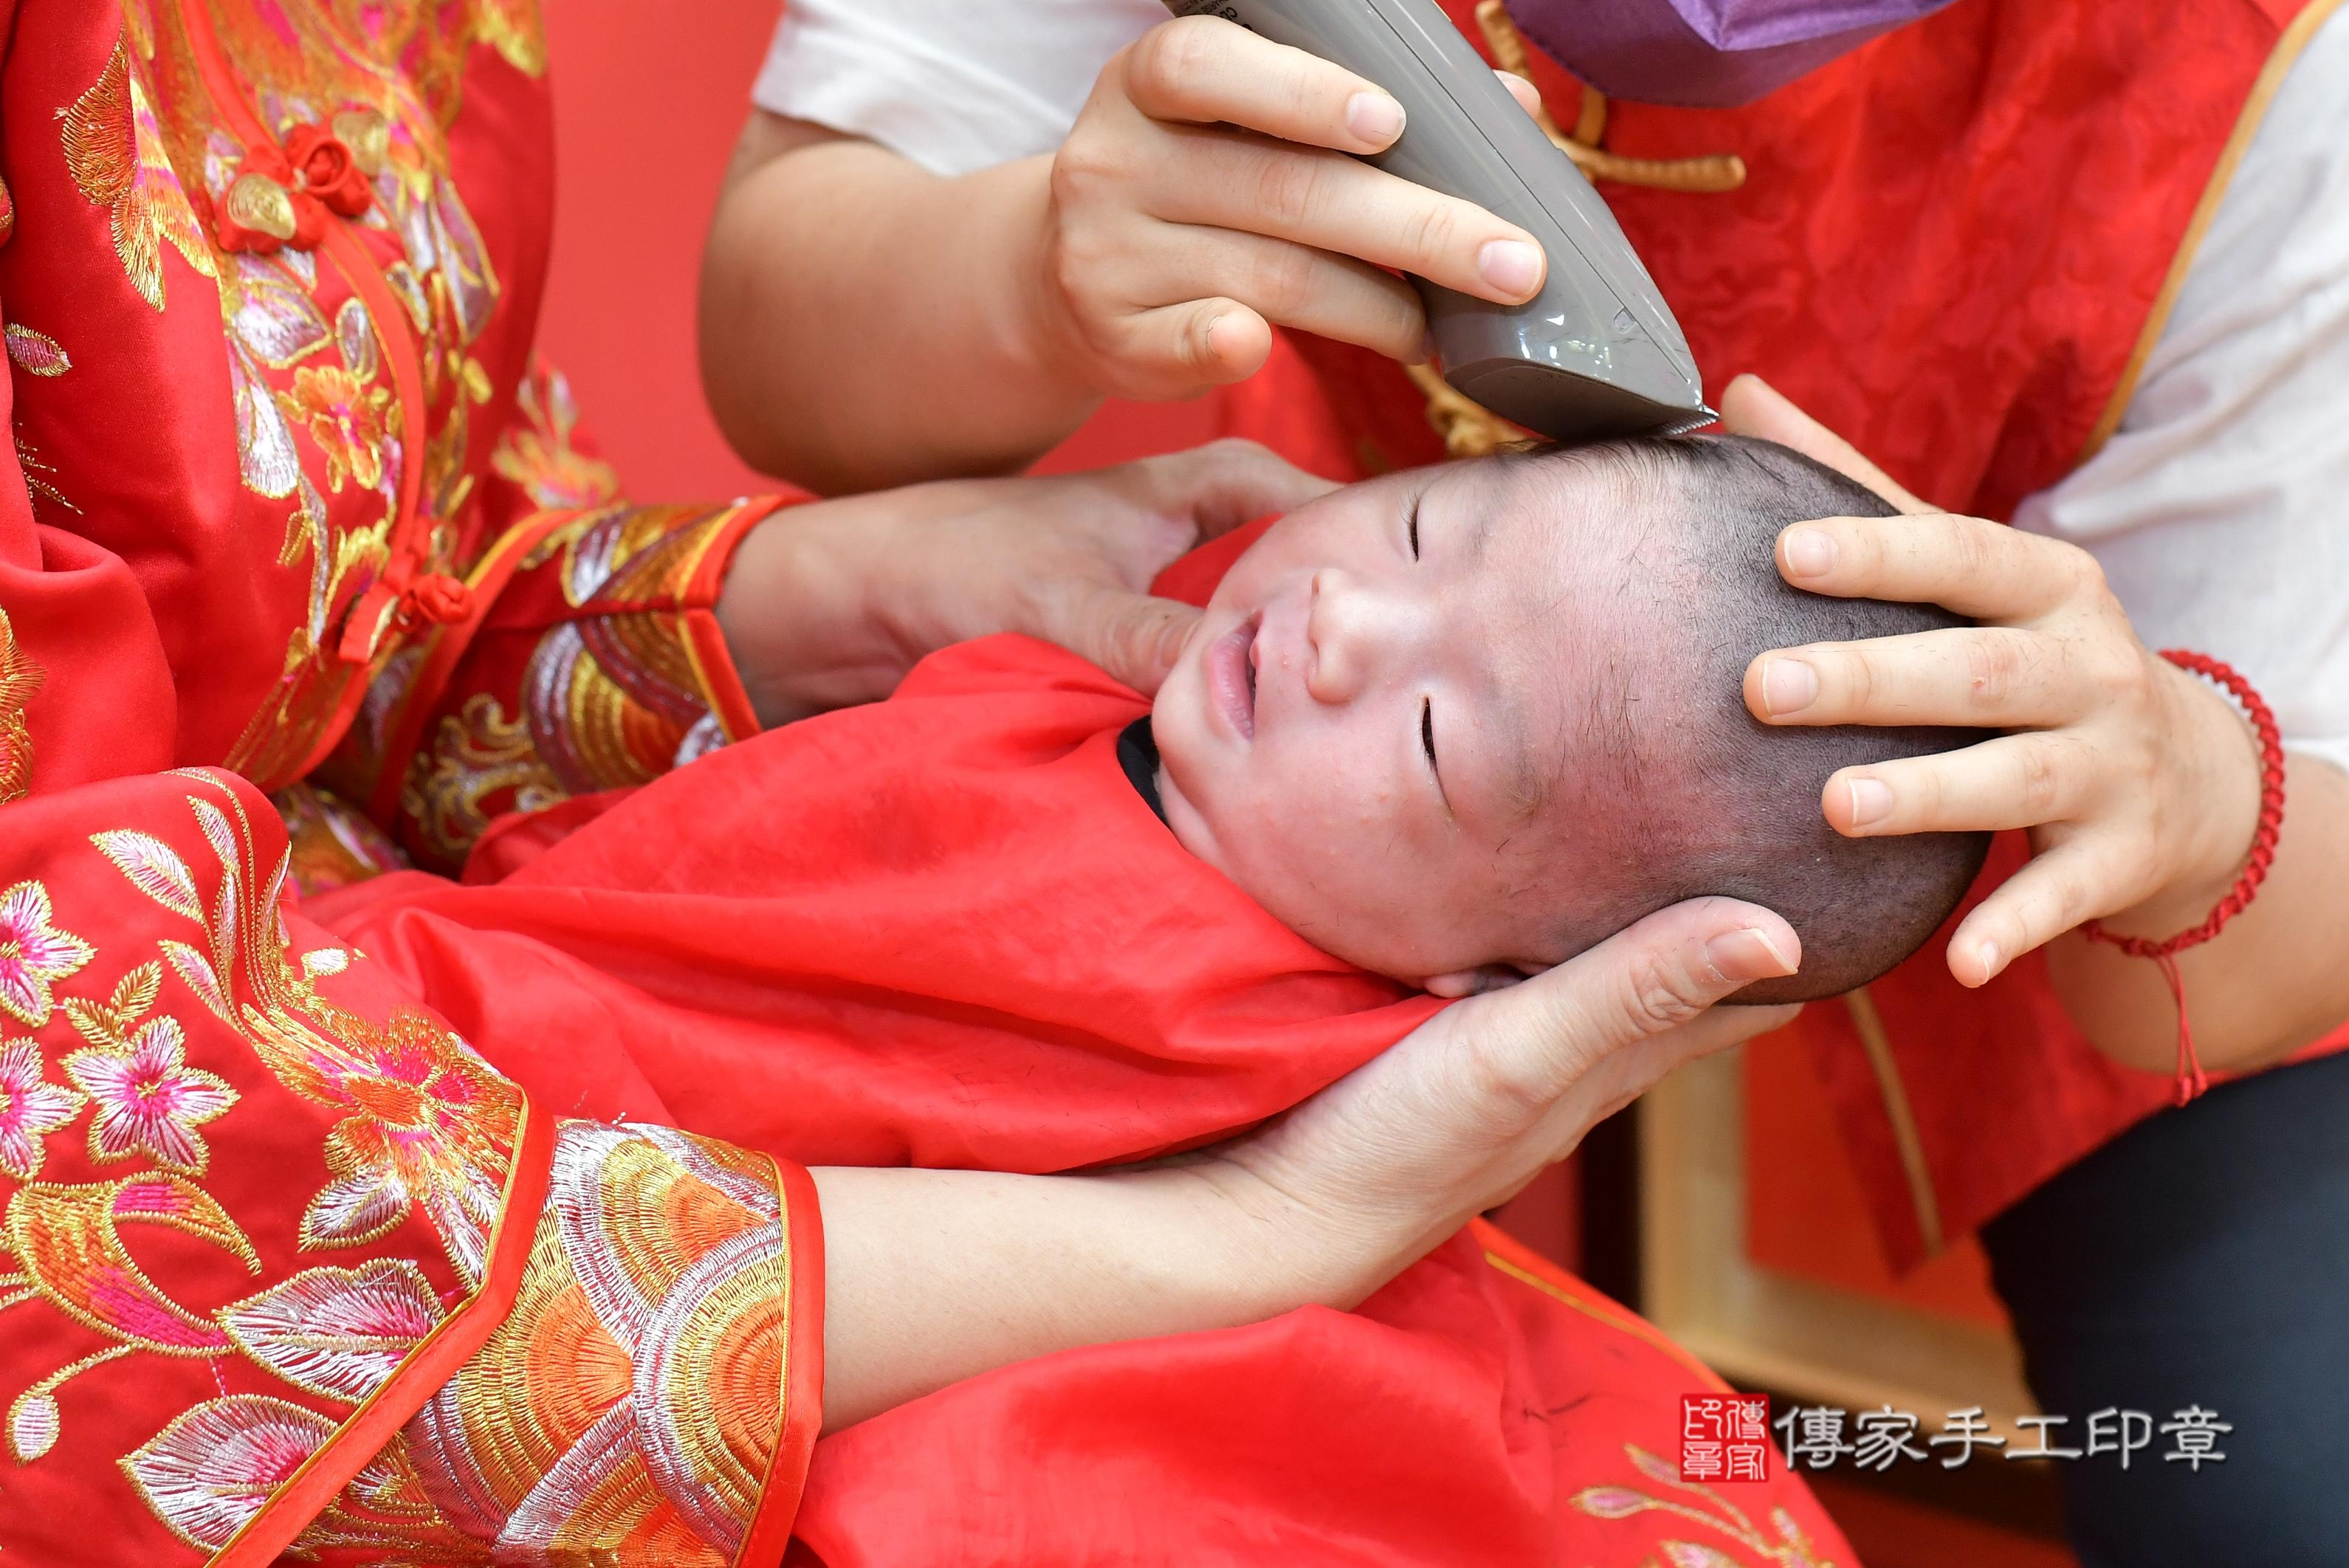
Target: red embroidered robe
<point>1955,246</point>
<point>947,930</point>
<point>284,1264</point>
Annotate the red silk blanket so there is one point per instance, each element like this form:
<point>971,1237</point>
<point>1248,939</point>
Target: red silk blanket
<point>946,931</point>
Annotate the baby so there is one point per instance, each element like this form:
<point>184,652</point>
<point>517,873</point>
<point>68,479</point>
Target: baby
<point>1438,729</point>
<point>1457,724</point>
<point>1432,733</point>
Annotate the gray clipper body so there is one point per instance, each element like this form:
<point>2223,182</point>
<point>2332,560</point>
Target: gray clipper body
<point>1596,353</point>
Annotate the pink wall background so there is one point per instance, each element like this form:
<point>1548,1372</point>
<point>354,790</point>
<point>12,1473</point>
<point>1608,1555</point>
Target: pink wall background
<point>647,100</point>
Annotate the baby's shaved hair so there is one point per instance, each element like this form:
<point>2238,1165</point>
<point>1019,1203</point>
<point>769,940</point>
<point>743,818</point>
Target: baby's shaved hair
<point>1726,804</point>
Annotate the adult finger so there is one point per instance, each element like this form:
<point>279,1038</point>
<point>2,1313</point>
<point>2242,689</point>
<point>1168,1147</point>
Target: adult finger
<point>1979,568</point>
<point>1750,406</point>
<point>2060,889</point>
<point>1228,483</point>
<point>1234,181</point>
<point>1614,1082</point>
<point>1205,71</point>
<point>1314,291</point>
<point>2013,781</point>
<point>1528,1043</point>
<point>1997,677</point>
<point>1179,350</point>
<point>1528,96</point>
<point>1136,638</point>
<point>1393,1156</point>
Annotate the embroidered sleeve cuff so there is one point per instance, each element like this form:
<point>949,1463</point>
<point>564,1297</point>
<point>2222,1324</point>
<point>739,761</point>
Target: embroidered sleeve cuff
<point>655,1393</point>
<point>591,660</point>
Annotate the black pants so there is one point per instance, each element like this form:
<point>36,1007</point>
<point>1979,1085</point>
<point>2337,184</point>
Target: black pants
<point>2201,1259</point>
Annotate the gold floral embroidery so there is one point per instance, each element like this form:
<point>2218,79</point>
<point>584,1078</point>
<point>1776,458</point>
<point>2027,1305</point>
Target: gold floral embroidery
<point>430,1124</point>
<point>149,1100</point>
<point>426,1125</point>
<point>37,353</point>
<point>208,1472</point>
<point>536,453</point>
<point>30,1109</point>
<point>69,1241</point>
<point>20,678</point>
<point>346,419</point>
<point>274,327</point>
<point>511,27</point>
<point>145,139</point>
<point>34,953</point>
<point>1701,1505</point>
<point>339,1333</point>
<point>626,1410</point>
<point>114,149</point>
<point>36,468</point>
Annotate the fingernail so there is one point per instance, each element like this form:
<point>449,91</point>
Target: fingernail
<point>1988,954</point>
<point>1426,348</point>
<point>1512,266</point>
<point>1207,338</point>
<point>1871,800</point>
<point>1788,686</point>
<point>1810,552</point>
<point>1749,953</point>
<point>1374,117</point>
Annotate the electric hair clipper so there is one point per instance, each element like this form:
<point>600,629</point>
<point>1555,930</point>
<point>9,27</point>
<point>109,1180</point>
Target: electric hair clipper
<point>1595,353</point>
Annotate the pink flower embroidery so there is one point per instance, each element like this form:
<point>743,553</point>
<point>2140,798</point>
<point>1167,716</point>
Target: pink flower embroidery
<point>430,1125</point>
<point>148,1099</point>
<point>29,1109</point>
<point>33,953</point>
<point>346,419</point>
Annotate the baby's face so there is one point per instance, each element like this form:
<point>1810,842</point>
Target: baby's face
<point>1365,728</point>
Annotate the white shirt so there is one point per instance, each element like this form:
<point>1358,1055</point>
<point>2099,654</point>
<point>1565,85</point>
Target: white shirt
<point>2219,509</point>
<point>953,85</point>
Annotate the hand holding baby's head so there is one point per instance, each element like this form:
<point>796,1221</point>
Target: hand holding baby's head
<point>1457,724</point>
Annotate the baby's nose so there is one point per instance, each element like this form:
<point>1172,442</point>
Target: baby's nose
<point>1348,633</point>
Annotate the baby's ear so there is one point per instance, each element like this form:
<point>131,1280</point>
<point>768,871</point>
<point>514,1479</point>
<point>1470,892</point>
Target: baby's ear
<point>1474,981</point>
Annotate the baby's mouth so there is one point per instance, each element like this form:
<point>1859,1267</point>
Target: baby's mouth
<point>1231,673</point>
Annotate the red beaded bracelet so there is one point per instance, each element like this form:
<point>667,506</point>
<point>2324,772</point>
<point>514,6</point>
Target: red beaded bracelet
<point>2191,1080</point>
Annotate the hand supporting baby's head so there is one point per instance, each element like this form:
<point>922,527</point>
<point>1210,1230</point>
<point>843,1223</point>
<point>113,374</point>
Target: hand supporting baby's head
<point>1461,723</point>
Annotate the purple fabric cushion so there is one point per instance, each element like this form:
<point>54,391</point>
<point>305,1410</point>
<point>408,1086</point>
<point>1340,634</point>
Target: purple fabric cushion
<point>1704,54</point>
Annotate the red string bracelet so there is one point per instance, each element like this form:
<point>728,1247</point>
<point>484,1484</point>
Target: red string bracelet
<point>2191,1079</point>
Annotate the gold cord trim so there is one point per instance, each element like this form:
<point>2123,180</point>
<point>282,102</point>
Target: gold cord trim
<point>1711,173</point>
<point>1638,1328</point>
<point>1880,1061</point>
<point>1469,429</point>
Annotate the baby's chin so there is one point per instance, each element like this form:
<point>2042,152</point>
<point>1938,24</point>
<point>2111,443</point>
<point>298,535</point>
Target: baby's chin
<point>1375,942</point>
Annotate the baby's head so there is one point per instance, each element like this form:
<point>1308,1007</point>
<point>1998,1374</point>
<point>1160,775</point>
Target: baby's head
<point>1463,723</point>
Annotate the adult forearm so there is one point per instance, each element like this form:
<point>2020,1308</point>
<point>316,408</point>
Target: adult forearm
<point>865,323</point>
<point>935,1276</point>
<point>2272,983</point>
<point>931,1276</point>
